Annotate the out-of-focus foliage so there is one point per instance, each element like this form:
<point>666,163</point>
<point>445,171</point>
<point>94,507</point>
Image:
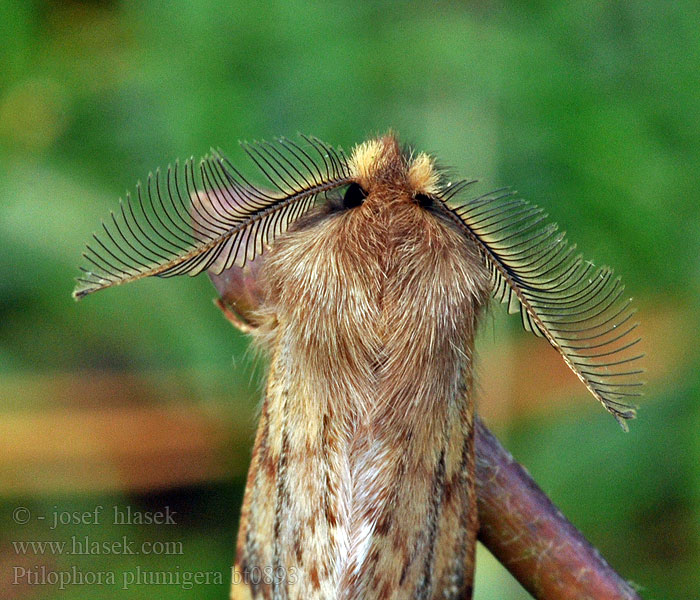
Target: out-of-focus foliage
<point>589,109</point>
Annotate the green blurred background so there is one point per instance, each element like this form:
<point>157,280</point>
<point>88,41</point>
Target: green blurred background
<point>144,397</point>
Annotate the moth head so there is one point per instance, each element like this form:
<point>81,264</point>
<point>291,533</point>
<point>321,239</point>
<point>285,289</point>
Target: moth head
<point>384,173</point>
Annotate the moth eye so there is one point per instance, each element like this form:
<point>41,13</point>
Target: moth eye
<point>424,200</point>
<point>354,196</point>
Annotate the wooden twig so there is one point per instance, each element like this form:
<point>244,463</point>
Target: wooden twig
<point>523,529</point>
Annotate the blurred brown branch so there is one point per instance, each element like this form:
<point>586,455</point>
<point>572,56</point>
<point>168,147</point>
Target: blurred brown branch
<point>523,529</point>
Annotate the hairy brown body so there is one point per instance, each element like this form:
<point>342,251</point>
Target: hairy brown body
<point>362,478</point>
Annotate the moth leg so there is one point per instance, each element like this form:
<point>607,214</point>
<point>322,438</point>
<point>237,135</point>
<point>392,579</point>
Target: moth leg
<point>234,318</point>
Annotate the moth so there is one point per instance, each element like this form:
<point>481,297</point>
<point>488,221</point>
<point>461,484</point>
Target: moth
<point>373,270</point>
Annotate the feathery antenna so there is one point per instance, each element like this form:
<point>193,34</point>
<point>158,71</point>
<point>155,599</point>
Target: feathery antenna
<point>579,309</point>
<point>197,217</point>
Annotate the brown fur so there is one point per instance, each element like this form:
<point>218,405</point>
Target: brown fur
<point>362,478</point>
